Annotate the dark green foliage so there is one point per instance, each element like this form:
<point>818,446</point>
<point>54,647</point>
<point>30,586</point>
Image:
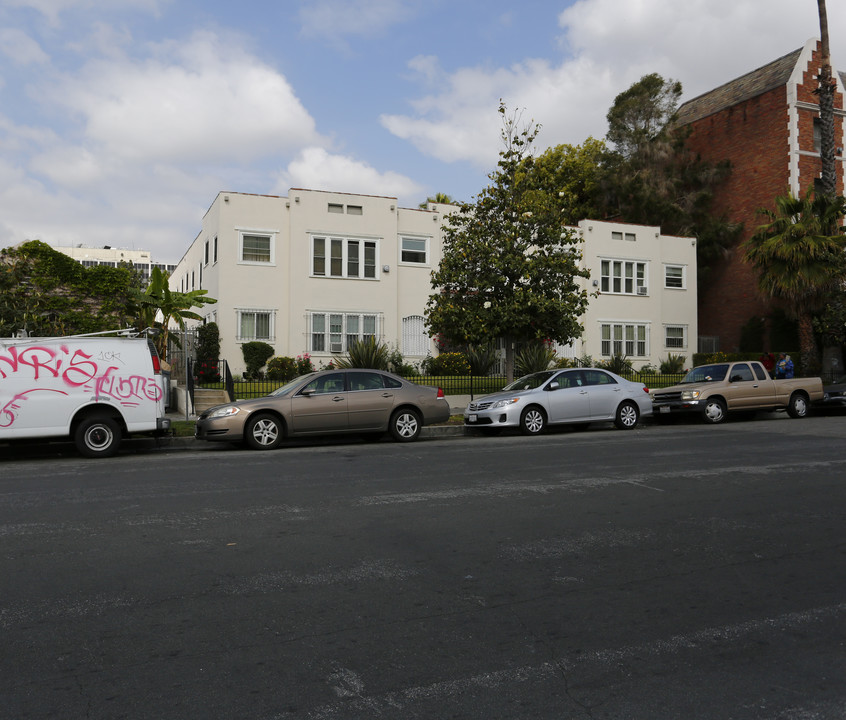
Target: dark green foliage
<point>450,363</point>
<point>619,364</point>
<point>482,358</point>
<point>534,357</point>
<point>673,365</point>
<point>256,354</point>
<point>752,335</point>
<point>45,292</point>
<point>282,369</point>
<point>208,353</point>
<point>367,353</point>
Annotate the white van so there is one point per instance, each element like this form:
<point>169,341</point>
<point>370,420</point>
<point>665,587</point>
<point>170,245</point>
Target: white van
<point>94,389</point>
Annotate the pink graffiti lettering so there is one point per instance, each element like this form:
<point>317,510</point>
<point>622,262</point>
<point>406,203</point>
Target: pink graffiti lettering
<point>7,412</point>
<point>126,389</point>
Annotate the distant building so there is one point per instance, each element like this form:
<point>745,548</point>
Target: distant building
<point>315,271</point>
<point>139,259</point>
<point>766,123</point>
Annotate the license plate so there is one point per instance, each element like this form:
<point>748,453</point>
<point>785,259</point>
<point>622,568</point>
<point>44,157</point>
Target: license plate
<point>472,418</point>
<point>663,409</point>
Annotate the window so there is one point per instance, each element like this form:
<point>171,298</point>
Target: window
<point>355,210</point>
<point>630,339</point>
<point>347,258</point>
<point>415,340</point>
<point>214,255</point>
<point>256,248</point>
<point>256,325</point>
<point>336,208</point>
<point>415,250</point>
<point>623,276</point>
<point>206,253</point>
<point>336,332</point>
<point>817,135</point>
<point>675,337</point>
<point>630,237</point>
<point>674,276</point>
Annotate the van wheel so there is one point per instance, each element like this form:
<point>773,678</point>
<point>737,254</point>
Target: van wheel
<point>263,432</point>
<point>97,437</point>
<point>798,406</point>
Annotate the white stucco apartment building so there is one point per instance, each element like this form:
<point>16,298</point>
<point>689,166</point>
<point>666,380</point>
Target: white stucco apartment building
<point>311,272</point>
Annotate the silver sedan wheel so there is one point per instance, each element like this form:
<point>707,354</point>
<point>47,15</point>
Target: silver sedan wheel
<point>627,416</point>
<point>533,421</point>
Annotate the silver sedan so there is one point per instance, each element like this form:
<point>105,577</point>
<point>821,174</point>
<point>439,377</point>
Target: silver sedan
<point>551,397</point>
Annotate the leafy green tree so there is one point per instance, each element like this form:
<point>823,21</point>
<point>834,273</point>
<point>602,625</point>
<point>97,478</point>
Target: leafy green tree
<point>46,292</point>
<point>566,178</point>
<point>158,306</point>
<point>507,270</point>
<point>652,178</point>
<point>799,262</point>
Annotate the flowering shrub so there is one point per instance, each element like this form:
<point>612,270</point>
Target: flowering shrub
<point>207,372</point>
<point>283,369</point>
<point>451,363</point>
<point>304,364</point>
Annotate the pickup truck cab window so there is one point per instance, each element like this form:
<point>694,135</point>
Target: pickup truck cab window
<point>760,371</point>
<point>741,373</point>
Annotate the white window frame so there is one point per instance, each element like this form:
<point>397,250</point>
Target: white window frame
<point>240,313</point>
<point>621,277</point>
<point>332,331</point>
<point>414,239</point>
<point>352,250</point>
<point>269,234</point>
<point>624,337</point>
<point>675,326</point>
<point>415,339</point>
<point>683,278</point>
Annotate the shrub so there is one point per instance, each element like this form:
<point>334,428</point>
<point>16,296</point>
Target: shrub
<point>207,367</point>
<point>281,369</point>
<point>304,364</point>
<point>482,359</point>
<point>256,354</point>
<point>619,364</point>
<point>365,354</point>
<point>451,363</point>
<point>534,357</point>
<point>673,365</point>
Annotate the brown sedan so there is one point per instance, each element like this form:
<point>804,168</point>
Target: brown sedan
<point>330,401</point>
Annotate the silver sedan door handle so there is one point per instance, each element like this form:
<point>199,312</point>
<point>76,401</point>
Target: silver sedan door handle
<point>337,398</point>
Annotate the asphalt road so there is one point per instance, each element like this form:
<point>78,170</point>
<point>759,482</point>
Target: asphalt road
<point>669,572</point>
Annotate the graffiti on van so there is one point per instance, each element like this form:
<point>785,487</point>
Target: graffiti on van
<point>51,368</point>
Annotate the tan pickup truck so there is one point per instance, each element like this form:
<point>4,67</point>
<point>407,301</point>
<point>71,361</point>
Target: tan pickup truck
<point>715,390</point>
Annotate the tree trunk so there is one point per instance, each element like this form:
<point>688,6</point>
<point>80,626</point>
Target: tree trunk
<point>808,344</point>
<point>826,93</point>
<point>509,359</point>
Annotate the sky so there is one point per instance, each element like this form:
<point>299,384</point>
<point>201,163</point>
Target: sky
<point>121,120</point>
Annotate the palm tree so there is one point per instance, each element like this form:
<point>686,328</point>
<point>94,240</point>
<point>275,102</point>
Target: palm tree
<point>798,260</point>
<point>440,197</point>
<point>826,90</point>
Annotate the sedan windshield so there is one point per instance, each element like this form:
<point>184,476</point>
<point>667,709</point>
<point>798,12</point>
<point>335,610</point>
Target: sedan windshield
<point>293,384</point>
<point>530,382</point>
<point>706,373</point>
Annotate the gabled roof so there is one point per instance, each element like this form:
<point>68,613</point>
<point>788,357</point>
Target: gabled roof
<point>757,82</point>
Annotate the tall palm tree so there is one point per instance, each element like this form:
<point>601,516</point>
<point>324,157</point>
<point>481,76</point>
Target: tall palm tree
<point>826,89</point>
<point>798,260</point>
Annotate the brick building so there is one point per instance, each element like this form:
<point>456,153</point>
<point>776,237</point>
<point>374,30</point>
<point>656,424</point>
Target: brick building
<point>767,124</point>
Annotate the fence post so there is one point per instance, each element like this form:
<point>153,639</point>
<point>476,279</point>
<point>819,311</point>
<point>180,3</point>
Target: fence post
<point>189,384</point>
<point>228,381</point>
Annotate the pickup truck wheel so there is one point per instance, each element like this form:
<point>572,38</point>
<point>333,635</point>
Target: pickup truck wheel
<point>627,416</point>
<point>97,437</point>
<point>798,406</point>
<point>714,411</point>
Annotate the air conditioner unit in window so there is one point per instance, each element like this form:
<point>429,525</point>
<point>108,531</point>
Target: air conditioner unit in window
<point>641,291</point>
<point>336,347</point>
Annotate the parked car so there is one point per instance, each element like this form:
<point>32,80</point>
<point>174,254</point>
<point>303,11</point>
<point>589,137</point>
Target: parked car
<point>550,397</point>
<point>326,402</point>
<point>834,394</point>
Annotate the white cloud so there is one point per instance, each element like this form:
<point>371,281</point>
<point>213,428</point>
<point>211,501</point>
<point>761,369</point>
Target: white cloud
<point>316,169</point>
<point>20,48</point>
<point>331,19</point>
<point>201,101</point>
<point>609,44</point>
<point>53,9</point>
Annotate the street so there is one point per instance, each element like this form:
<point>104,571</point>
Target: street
<point>672,571</point>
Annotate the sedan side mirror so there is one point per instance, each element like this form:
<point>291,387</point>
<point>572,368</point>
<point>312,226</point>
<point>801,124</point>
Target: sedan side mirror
<point>553,385</point>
